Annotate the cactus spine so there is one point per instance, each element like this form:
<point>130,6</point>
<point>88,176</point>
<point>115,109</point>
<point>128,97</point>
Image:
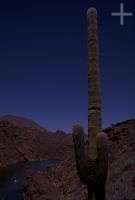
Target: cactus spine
<point>92,156</point>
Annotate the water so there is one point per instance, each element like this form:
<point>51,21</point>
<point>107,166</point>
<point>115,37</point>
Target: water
<point>12,178</point>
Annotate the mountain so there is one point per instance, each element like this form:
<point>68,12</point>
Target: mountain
<point>23,139</point>
<point>22,122</point>
<point>60,182</point>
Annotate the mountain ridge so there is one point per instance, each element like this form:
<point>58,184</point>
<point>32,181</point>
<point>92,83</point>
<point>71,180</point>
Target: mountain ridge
<point>22,122</point>
<point>24,142</point>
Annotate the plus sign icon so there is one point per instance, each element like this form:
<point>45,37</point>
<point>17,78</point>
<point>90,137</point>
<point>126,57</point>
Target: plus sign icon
<point>122,14</point>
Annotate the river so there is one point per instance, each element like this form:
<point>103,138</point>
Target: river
<point>12,178</point>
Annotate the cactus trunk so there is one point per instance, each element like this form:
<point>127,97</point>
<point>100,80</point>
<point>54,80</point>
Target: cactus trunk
<point>94,97</point>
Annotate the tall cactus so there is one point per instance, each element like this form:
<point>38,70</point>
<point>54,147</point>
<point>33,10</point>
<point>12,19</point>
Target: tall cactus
<point>92,156</point>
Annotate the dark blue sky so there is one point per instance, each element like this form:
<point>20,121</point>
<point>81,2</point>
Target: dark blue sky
<point>43,61</point>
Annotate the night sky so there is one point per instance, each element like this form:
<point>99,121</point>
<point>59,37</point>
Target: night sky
<point>43,61</point>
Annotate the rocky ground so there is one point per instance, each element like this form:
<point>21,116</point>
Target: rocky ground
<point>60,182</point>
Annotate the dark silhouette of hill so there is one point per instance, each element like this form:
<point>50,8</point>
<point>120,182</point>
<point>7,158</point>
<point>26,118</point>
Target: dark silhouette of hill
<point>22,122</point>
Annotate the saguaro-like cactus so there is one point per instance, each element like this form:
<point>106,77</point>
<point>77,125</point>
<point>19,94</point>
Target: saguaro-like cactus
<point>92,155</point>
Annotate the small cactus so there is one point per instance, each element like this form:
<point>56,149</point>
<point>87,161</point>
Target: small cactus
<point>92,155</point>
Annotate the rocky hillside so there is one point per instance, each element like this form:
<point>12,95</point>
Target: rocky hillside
<point>60,182</point>
<point>30,143</point>
<point>22,122</point>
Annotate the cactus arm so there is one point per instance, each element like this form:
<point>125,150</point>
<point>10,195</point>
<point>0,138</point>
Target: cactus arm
<point>102,161</point>
<point>78,140</point>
